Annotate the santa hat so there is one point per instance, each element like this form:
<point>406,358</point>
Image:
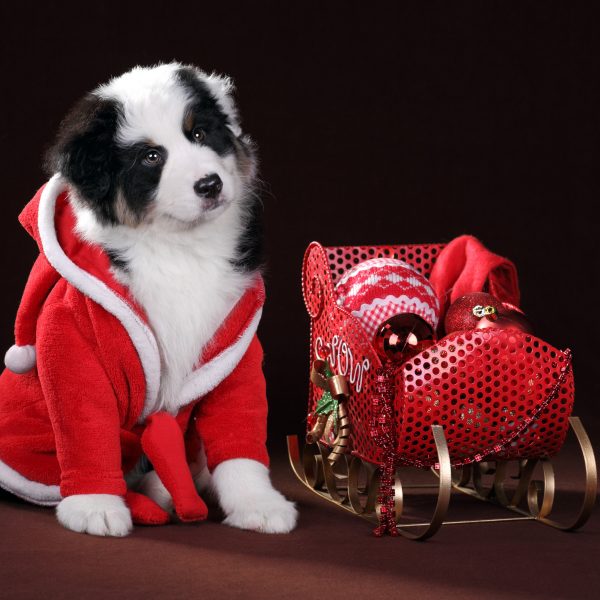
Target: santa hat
<point>377,289</point>
<point>465,266</point>
<point>20,357</point>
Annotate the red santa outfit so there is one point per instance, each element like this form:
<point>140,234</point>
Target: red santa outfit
<point>81,384</point>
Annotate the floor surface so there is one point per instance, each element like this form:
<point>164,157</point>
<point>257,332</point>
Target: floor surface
<point>331,554</point>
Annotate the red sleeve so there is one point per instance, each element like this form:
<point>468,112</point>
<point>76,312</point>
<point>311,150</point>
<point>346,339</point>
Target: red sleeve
<point>81,403</point>
<point>232,419</point>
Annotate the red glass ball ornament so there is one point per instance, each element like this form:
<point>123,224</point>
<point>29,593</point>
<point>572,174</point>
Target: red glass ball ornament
<point>402,337</point>
<point>509,317</point>
<point>466,312</point>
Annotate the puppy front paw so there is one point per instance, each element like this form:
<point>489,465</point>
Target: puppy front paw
<point>269,513</point>
<point>96,514</point>
<point>247,497</point>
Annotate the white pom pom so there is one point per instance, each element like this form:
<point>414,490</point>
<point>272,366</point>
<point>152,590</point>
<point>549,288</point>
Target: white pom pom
<point>20,359</point>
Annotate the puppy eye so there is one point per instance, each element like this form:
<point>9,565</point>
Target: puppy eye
<point>153,158</point>
<point>198,134</point>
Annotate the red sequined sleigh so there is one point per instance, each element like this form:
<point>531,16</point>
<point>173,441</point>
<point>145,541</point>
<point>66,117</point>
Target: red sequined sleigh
<point>485,410</point>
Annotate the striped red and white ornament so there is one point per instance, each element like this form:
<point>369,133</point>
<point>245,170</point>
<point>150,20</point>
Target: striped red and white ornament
<point>377,289</point>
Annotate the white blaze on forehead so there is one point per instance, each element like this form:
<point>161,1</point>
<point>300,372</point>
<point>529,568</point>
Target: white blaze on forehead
<point>154,101</point>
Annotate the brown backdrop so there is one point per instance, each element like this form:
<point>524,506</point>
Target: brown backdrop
<point>375,126</point>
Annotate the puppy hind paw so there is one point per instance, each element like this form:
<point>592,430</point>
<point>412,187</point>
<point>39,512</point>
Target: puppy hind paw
<point>96,514</point>
<point>153,487</point>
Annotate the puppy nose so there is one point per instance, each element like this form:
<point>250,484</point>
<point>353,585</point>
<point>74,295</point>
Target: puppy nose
<point>209,186</point>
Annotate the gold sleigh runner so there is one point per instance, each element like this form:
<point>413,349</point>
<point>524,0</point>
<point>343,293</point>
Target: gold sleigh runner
<point>352,484</point>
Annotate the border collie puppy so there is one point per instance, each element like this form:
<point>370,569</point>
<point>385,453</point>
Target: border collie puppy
<point>158,179</point>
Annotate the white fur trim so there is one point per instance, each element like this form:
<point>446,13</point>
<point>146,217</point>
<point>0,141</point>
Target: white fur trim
<point>32,491</point>
<point>20,359</point>
<point>209,375</point>
<point>140,334</point>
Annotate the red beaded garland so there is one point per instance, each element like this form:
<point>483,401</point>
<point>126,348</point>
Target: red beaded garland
<point>383,432</point>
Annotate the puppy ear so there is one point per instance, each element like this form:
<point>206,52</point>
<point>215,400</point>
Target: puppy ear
<point>85,150</point>
<point>222,88</point>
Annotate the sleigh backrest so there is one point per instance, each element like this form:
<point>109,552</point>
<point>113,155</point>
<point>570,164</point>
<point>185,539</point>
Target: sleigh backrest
<point>420,256</point>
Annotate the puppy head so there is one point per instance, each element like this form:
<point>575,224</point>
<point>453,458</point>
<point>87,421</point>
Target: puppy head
<point>156,144</point>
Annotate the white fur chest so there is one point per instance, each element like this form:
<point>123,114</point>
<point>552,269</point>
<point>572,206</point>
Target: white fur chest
<point>186,284</point>
<point>186,297</point>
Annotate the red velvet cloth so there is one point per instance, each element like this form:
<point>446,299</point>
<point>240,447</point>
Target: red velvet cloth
<point>73,419</point>
<point>144,511</point>
<point>465,265</point>
<point>163,445</point>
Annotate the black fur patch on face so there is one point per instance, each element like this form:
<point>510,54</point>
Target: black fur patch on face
<point>204,113</point>
<point>115,181</point>
<point>85,152</point>
<point>138,179</point>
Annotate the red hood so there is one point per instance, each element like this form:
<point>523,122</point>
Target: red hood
<point>86,256</point>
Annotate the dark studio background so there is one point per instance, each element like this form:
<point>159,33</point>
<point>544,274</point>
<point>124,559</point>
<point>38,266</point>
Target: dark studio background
<point>376,123</point>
